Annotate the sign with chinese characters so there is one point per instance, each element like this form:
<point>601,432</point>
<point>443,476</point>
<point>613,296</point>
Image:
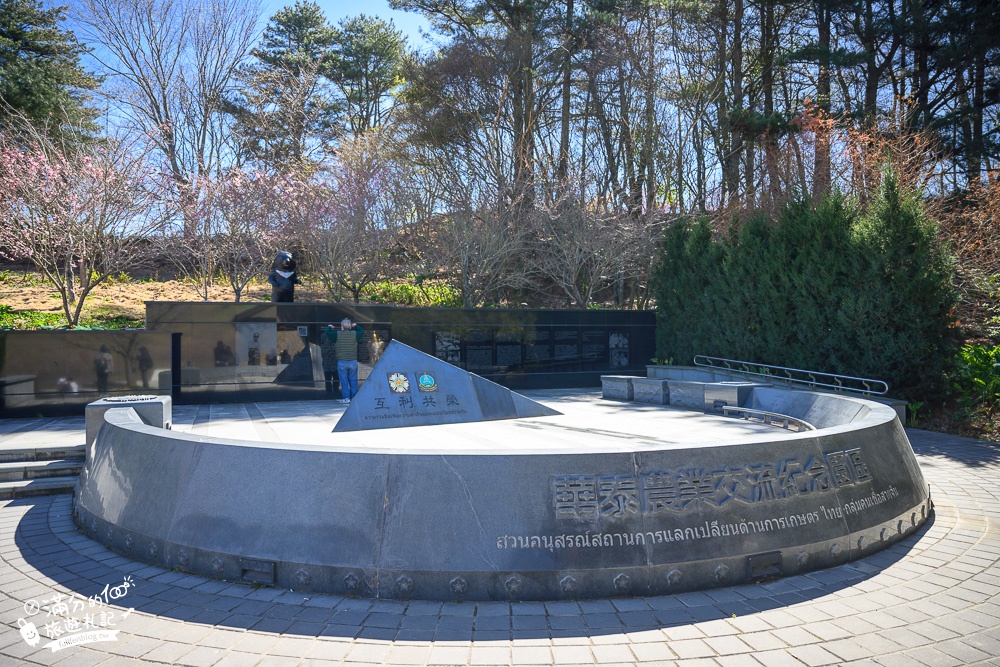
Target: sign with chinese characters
<point>409,388</point>
<point>613,507</point>
<point>679,491</point>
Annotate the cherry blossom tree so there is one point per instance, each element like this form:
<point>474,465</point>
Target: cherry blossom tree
<point>80,213</point>
<point>236,225</point>
<point>353,241</point>
<point>248,212</point>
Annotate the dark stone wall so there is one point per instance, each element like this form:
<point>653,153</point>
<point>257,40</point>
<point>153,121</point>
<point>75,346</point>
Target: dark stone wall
<point>221,359</point>
<point>208,352</point>
<point>48,373</point>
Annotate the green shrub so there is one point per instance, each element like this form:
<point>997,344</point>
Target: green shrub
<point>417,293</point>
<point>822,288</point>
<point>976,379</point>
<point>28,320</point>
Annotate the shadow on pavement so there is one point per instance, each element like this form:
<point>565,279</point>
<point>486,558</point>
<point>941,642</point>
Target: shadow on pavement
<point>49,542</point>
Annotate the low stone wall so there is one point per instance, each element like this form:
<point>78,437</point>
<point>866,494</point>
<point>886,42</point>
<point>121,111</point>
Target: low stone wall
<point>686,383</point>
<point>416,522</point>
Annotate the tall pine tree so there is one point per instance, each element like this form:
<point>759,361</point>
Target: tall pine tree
<point>41,77</point>
<point>285,111</point>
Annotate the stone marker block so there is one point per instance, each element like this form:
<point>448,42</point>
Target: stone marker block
<point>687,394</point>
<point>152,410</point>
<point>617,387</point>
<point>410,388</point>
<point>649,390</point>
<point>720,394</point>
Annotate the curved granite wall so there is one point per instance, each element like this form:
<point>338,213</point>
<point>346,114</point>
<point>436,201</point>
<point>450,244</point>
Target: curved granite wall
<point>523,525</point>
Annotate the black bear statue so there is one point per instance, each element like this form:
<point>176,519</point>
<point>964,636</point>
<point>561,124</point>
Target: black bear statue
<point>283,278</point>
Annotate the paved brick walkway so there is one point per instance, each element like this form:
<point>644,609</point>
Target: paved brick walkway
<point>933,599</point>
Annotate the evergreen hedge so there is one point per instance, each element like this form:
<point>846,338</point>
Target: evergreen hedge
<point>824,288</point>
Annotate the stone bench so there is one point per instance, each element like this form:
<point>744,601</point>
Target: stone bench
<point>650,390</point>
<point>617,387</point>
<point>721,394</point>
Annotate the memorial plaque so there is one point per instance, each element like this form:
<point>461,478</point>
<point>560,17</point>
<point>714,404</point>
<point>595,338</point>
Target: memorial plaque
<point>479,350</point>
<point>289,344</point>
<point>448,346</point>
<point>509,355</point>
<point>305,366</point>
<point>566,344</point>
<point>508,335</point>
<point>594,344</point>
<point>538,345</point>
<point>509,351</point>
<point>479,358</point>
<point>372,344</point>
<point>256,342</point>
<point>409,388</point>
<point>618,350</point>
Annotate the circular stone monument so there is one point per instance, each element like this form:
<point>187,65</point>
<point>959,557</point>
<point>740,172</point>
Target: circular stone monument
<point>511,508</point>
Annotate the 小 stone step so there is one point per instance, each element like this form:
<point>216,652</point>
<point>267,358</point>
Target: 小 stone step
<point>15,471</point>
<point>42,453</point>
<point>36,487</point>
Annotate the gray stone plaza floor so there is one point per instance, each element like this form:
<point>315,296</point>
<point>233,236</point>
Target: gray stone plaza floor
<point>932,599</point>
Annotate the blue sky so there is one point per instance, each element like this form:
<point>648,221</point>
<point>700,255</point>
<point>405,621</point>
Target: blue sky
<point>409,23</point>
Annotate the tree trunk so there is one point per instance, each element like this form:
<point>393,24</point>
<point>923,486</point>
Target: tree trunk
<point>731,160</point>
<point>768,43</point>
<point>649,86</point>
<point>821,157</point>
<point>564,124</point>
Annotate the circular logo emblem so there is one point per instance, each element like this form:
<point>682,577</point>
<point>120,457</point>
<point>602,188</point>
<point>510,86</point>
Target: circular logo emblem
<point>426,382</point>
<point>399,383</point>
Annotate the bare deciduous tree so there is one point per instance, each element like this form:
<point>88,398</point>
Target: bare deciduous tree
<point>353,241</point>
<point>588,248</point>
<point>577,248</point>
<point>170,62</point>
<point>248,208</point>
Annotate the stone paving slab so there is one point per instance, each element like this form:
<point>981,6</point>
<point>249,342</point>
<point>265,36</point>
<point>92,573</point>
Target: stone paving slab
<point>932,599</point>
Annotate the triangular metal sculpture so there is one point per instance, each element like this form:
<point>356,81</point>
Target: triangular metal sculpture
<point>410,388</point>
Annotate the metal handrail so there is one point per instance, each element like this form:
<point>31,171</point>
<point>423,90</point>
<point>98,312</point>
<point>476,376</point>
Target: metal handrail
<point>834,381</point>
<point>769,418</point>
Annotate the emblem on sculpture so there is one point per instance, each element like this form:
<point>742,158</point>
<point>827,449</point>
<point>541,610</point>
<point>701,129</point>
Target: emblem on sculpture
<point>399,383</point>
<point>426,382</point>
<point>283,278</point>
